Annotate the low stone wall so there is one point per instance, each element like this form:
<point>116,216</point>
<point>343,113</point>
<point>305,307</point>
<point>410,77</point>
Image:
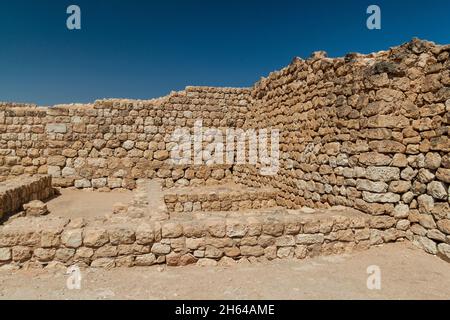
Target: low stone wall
<point>205,240</point>
<point>14,193</point>
<point>191,200</point>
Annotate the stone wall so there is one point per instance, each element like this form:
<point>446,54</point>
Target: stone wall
<point>112,143</point>
<point>191,200</point>
<point>23,140</point>
<point>205,240</point>
<point>368,132</point>
<point>16,192</point>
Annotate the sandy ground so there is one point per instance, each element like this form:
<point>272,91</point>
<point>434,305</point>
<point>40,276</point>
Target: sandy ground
<point>406,273</point>
<point>79,203</point>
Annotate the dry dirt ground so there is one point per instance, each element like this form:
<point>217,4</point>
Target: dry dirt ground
<point>406,273</point>
<point>74,203</point>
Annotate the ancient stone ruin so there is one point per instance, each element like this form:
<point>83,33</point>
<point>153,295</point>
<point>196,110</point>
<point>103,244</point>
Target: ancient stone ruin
<point>363,160</point>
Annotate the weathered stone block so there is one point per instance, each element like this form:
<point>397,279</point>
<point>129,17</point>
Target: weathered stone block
<point>255,251</point>
<point>437,190</point>
<point>35,208</point>
<point>160,249</point>
<point>5,254</point>
<point>94,237</point>
<point>385,174</point>
<point>388,197</point>
<point>310,238</point>
<point>372,186</point>
<point>72,238</point>
<point>56,128</point>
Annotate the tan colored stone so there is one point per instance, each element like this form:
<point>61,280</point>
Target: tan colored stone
<point>72,238</point>
<point>95,237</point>
<point>35,208</point>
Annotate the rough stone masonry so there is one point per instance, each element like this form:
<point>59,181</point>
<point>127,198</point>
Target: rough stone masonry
<point>368,132</point>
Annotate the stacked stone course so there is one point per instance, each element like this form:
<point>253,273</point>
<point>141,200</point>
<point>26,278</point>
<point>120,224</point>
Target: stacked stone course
<point>112,143</point>
<point>192,200</point>
<point>205,240</point>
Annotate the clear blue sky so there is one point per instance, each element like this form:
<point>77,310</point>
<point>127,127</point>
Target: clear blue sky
<point>145,49</point>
